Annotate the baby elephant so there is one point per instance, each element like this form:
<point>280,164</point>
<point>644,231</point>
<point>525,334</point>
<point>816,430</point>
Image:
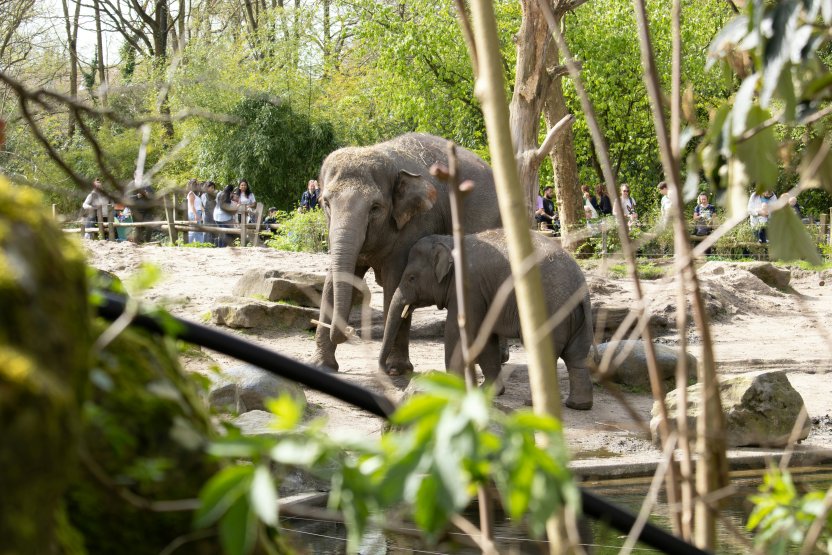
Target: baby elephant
<point>428,280</point>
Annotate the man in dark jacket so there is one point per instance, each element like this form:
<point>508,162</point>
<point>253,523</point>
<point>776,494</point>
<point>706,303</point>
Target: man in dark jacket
<point>309,199</point>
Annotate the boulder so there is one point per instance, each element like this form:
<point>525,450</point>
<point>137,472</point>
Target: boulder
<point>276,285</point>
<point>246,387</point>
<point>631,371</point>
<point>760,409</point>
<point>238,312</point>
<point>298,288</point>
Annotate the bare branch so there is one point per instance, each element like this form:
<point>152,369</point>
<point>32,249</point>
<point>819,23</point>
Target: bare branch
<point>560,126</point>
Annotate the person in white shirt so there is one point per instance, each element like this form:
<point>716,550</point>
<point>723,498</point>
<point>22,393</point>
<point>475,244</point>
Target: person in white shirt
<point>758,211</point>
<point>196,211</point>
<point>628,205</point>
<point>666,203</point>
<point>95,200</point>
<point>246,198</point>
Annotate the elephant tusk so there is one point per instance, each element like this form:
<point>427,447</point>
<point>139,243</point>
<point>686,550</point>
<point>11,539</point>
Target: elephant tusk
<point>405,311</point>
<point>349,331</point>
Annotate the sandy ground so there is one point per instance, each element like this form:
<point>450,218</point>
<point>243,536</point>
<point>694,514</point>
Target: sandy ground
<point>763,329</point>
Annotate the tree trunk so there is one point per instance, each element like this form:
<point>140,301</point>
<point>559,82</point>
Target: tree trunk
<point>530,86</point>
<point>72,46</point>
<point>565,167</point>
<point>99,48</point>
<point>327,38</point>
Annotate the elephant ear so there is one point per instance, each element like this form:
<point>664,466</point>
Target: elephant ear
<point>443,261</point>
<point>412,195</point>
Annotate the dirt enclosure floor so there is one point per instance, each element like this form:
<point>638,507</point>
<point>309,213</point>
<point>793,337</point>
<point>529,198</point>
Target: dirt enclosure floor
<point>762,329</point>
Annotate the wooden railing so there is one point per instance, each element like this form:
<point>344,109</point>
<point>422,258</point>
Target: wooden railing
<point>107,227</point>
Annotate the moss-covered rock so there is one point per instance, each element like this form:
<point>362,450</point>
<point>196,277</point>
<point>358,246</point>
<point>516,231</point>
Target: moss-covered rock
<point>759,409</point>
<point>44,350</point>
<point>145,430</point>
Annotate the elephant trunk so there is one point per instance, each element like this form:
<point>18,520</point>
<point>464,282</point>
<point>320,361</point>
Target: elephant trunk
<point>344,255</point>
<point>397,311</point>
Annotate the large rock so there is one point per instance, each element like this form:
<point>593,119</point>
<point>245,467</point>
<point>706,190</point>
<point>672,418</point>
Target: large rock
<point>238,312</point>
<point>760,409</point>
<point>298,288</point>
<point>276,285</point>
<point>246,388</point>
<point>631,370</point>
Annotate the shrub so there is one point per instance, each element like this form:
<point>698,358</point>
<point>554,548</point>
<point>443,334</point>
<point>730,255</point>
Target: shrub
<point>301,232</point>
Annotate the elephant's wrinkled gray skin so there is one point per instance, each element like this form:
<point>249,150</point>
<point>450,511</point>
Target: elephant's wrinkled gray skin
<point>379,200</point>
<point>428,280</point>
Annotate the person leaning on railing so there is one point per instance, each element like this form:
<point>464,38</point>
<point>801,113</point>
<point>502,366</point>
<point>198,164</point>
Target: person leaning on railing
<point>224,213</point>
<point>703,216</point>
<point>95,200</point>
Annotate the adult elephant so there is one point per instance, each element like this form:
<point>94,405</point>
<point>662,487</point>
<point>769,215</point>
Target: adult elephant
<point>379,200</point>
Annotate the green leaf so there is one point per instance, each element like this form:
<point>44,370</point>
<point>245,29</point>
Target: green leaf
<point>429,513</point>
<point>221,491</point>
<point>299,451</point>
<point>417,407</point>
<point>726,38</point>
<point>743,101</point>
<point>822,177</point>
<point>789,238</point>
<point>238,528</point>
<point>783,21</point>
<point>758,153</point>
<point>442,383</point>
<point>288,412</point>
<point>264,495</point>
<point>238,447</point>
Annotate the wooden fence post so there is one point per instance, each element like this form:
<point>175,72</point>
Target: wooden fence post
<point>54,211</point>
<point>99,214</point>
<point>111,227</point>
<point>171,227</point>
<point>258,217</point>
<point>243,212</point>
<point>823,228</point>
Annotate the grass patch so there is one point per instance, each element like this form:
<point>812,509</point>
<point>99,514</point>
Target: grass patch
<point>803,265</point>
<point>646,270</point>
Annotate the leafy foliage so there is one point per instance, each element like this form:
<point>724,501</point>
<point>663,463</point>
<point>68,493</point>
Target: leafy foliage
<point>302,231</point>
<point>774,48</point>
<point>446,442</point>
<point>276,149</point>
<point>781,517</point>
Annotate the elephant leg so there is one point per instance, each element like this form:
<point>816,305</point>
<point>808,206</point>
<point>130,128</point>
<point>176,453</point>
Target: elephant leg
<point>490,360</point>
<point>324,347</point>
<point>454,362</point>
<point>398,362</point>
<point>504,353</point>
<point>576,357</point>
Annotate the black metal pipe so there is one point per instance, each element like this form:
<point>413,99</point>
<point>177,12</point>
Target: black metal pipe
<point>113,306</point>
<point>594,506</point>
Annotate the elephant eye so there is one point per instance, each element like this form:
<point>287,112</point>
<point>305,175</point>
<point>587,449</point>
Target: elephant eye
<point>375,209</point>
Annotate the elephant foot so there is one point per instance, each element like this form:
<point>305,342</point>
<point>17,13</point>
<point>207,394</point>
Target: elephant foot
<point>504,352</point>
<point>580,389</point>
<point>398,367</point>
<point>498,385</point>
<point>323,360</point>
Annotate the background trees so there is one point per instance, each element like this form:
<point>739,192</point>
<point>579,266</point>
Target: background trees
<point>360,71</point>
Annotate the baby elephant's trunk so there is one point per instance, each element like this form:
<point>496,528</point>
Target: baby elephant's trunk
<point>397,311</point>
